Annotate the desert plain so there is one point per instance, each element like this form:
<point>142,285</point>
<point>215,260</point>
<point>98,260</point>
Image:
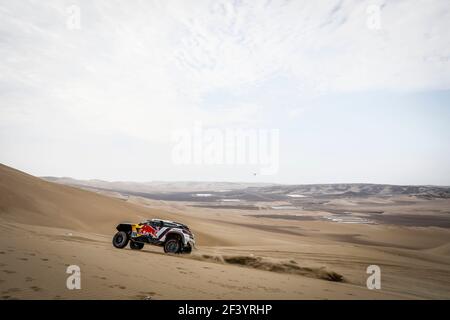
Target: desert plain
<point>252,241</point>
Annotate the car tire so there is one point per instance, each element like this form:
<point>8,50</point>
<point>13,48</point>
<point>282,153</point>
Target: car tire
<point>172,246</point>
<point>136,245</point>
<point>120,240</point>
<point>187,249</point>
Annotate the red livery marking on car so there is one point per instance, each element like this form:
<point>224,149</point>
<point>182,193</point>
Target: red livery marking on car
<point>147,229</point>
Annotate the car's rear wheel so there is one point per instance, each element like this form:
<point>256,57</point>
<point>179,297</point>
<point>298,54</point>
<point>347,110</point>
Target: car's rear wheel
<point>120,240</point>
<point>136,245</point>
<point>172,246</point>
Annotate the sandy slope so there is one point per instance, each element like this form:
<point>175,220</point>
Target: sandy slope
<point>45,227</point>
<point>26,199</point>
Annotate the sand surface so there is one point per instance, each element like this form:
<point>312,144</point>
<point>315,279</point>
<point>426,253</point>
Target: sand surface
<point>45,227</point>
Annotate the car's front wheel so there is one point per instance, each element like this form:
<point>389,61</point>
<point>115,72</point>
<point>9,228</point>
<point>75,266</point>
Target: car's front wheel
<point>136,245</point>
<point>187,249</point>
<point>120,240</point>
<point>172,246</point>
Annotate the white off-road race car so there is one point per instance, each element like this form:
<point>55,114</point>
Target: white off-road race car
<point>175,237</point>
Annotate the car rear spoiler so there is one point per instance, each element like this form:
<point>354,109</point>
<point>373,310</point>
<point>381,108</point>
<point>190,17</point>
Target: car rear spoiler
<point>127,227</point>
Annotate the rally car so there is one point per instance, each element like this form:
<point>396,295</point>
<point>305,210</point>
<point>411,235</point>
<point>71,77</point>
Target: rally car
<point>175,237</point>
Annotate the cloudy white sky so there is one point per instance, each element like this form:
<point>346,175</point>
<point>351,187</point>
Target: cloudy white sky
<point>359,91</point>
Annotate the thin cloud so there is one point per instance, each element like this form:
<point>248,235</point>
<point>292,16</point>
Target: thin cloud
<point>142,69</point>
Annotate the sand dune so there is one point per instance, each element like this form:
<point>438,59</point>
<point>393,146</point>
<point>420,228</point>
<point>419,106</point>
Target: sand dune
<point>26,199</point>
<point>34,201</point>
<point>45,227</point>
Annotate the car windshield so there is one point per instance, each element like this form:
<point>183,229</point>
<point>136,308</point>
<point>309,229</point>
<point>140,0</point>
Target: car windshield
<point>171,225</point>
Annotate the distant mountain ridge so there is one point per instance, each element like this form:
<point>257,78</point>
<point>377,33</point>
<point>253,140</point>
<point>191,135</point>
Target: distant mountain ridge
<point>235,188</point>
<point>156,186</point>
<point>356,189</point>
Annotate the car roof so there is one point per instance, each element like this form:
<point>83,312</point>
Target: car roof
<point>166,221</point>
